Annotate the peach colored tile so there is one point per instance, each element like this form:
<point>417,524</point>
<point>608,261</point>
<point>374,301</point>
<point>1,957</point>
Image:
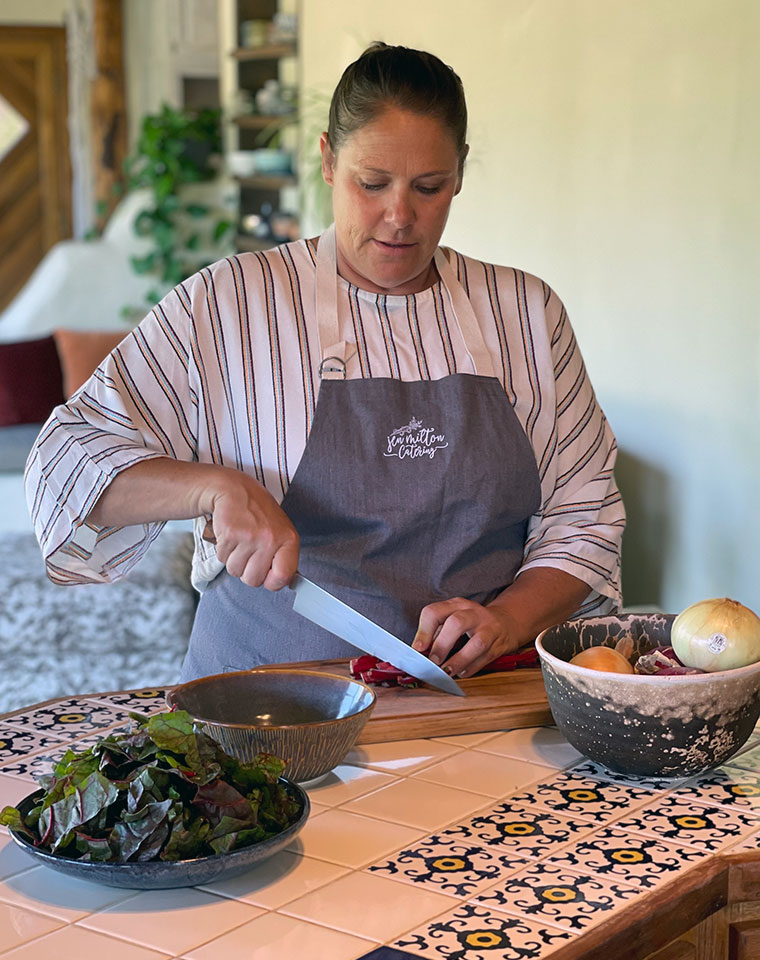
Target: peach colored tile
<point>752,842</point>
<point>345,783</point>
<point>370,906</point>
<point>58,894</point>
<point>428,806</point>
<point>13,789</point>
<point>474,931</point>
<point>708,828</point>
<point>727,786</point>
<point>551,894</point>
<point>12,858</point>
<point>75,941</point>
<point>517,831</point>
<point>574,795</point>
<point>280,879</point>
<point>627,858</point>
<point>401,757</point>
<point>494,776</point>
<point>351,840</point>
<point>544,745</point>
<point>445,865</point>
<point>19,926</point>
<point>172,921</point>
<point>282,938</point>
<point>469,739</point>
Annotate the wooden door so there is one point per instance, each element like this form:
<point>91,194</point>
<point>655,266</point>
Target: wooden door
<point>35,173</point>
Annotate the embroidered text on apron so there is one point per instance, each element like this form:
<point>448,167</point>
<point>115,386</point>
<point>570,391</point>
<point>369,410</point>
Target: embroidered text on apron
<point>407,492</point>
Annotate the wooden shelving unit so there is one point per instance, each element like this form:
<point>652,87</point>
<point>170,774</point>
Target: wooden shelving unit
<point>271,52</point>
<point>249,70</point>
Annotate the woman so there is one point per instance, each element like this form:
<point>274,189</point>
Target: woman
<point>411,428</point>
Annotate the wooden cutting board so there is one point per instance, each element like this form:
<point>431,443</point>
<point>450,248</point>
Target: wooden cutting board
<point>496,701</point>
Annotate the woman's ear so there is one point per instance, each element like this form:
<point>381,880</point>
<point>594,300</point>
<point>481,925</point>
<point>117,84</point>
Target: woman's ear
<point>328,159</point>
<point>461,169</point>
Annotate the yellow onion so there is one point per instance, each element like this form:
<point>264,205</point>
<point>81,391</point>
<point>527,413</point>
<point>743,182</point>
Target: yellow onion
<point>602,658</point>
<point>716,635</point>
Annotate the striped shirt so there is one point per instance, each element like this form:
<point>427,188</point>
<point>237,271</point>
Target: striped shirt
<point>225,370</point>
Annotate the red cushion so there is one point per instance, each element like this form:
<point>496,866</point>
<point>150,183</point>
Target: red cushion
<point>31,383</point>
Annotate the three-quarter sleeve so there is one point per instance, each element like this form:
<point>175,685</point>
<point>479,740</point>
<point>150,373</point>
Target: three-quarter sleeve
<point>579,526</point>
<point>138,405</point>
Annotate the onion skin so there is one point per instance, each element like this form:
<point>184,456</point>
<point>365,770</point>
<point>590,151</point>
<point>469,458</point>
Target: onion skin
<point>602,658</point>
<point>715,635</point>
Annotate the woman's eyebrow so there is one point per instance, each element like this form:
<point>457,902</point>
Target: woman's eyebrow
<point>429,173</point>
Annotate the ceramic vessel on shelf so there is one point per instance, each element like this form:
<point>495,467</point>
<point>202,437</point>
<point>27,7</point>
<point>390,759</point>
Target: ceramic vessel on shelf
<point>310,719</point>
<point>666,726</point>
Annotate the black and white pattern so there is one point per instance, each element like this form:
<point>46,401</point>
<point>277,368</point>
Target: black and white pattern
<point>59,641</point>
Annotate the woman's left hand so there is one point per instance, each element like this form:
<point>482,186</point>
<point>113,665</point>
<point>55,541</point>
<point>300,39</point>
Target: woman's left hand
<point>490,631</point>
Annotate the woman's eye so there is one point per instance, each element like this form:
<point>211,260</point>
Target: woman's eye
<point>428,190</point>
<point>371,186</point>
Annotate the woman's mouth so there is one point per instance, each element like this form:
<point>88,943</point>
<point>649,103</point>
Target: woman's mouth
<point>392,247</point>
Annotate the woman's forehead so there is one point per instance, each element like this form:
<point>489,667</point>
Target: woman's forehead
<point>397,133</point>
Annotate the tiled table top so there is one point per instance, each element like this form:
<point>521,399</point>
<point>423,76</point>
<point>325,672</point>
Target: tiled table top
<point>480,847</point>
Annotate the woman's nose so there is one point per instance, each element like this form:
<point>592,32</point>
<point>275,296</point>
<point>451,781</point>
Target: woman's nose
<point>399,212</point>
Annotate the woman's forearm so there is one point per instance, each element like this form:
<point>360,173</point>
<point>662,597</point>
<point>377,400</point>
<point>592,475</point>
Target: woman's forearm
<point>254,537</point>
<point>539,598</point>
<point>157,490</point>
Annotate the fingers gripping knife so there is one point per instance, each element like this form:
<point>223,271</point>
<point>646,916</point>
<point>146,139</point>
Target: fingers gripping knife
<point>332,614</point>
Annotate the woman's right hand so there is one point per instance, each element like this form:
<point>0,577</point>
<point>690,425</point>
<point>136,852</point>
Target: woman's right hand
<point>254,537</point>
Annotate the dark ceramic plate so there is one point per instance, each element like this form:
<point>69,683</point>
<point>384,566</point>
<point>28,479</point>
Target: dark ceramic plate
<point>160,874</point>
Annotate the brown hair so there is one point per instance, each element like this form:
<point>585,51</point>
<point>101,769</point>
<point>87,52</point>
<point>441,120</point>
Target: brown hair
<point>397,76</point>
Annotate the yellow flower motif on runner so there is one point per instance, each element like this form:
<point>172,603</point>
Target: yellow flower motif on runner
<point>690,823</point>
<point>559,894</point>
<point>628,856</point>
<point>71,718</point>
<point>449,863</point>
<point>583,796</point>
<point>485,939</point>
<point>745,789</point>
<point>518,829</point>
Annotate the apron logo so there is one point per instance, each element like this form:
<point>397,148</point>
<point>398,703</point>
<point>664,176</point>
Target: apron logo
<point>413,441</point>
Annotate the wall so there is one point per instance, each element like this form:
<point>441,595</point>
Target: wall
<point>47,13</point>
<point>614,153</point>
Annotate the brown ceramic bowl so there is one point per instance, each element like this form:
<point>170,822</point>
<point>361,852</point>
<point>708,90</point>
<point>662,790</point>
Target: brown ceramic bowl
<point>673,726</point>
<point>309,719</point>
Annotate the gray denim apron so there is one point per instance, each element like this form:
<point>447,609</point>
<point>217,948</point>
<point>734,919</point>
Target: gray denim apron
<point>407,493</point>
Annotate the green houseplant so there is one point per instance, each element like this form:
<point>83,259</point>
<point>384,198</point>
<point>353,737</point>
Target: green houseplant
<point>176,148</point>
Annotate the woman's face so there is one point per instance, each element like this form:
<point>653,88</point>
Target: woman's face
<point>393,182</point>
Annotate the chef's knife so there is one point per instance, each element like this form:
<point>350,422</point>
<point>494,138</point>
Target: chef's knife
<point>327,611</point>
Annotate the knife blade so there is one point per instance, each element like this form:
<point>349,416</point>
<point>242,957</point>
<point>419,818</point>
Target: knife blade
<point>322,608</point>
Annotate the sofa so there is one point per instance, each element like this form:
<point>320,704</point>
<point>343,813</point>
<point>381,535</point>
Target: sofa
<point>92,638</point>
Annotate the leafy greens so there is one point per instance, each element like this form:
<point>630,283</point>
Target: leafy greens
<point>164,791</point>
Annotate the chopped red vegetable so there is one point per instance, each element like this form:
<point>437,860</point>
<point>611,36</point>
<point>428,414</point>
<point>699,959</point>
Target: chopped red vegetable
<point>383,674</point>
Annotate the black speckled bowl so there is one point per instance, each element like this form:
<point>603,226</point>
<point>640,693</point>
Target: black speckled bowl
<point>674,726</point>
<point>308,718</point>
<point>163,874</point>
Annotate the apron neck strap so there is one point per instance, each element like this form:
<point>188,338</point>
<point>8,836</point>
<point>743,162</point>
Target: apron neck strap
<point>469,327</point>
<point>335,353</point>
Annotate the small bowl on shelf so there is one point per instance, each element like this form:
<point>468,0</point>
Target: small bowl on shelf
<point>661,726</point>
<point>308,718</point>
<point>274,163</point>
<point>242,163</point>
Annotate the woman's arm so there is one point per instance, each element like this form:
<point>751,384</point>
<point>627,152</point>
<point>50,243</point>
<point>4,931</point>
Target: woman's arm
<point>537,599</point>
<point>254,537</point>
